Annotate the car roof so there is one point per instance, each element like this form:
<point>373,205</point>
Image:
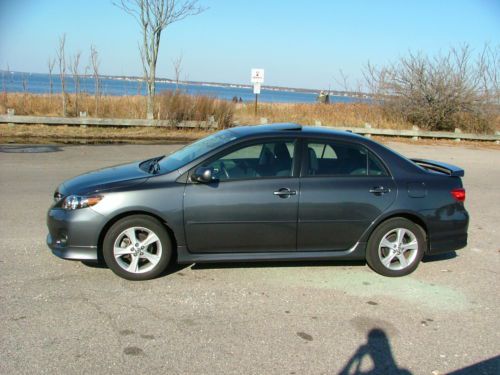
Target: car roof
<point>287,128</point>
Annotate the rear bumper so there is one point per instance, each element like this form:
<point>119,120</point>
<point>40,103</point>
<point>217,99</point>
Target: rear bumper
<point>445,245</point>
<point>448,230</point>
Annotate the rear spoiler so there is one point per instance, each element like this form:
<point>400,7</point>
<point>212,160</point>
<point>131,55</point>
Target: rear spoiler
<point>438,166</point>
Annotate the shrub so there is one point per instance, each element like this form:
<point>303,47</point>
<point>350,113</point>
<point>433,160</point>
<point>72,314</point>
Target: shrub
<point>441,93</point>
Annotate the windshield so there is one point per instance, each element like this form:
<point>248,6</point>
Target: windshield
<point>194,150</point>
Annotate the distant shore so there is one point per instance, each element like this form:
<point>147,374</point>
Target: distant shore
<point>12,81</point>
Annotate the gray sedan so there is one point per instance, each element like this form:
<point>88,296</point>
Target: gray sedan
<point>262,193</point>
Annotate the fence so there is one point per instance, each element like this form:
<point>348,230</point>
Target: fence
<point>367,130</point>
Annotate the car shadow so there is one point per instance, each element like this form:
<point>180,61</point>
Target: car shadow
<point>439,257</point>
<point>376,350</point>
<point>279,264</point>
<point>172,268</point>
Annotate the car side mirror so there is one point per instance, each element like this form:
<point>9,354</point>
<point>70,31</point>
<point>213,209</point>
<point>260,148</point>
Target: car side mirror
<point>202,175</point>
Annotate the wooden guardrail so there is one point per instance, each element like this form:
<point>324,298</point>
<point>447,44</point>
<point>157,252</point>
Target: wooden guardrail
<point>414,133</point>
<point>94,121</point>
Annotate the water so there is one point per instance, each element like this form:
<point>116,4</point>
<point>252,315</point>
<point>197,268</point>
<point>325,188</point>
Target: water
<point>37,83</point>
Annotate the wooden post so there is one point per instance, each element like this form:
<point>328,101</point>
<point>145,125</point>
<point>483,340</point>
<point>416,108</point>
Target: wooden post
<point>415,128</point>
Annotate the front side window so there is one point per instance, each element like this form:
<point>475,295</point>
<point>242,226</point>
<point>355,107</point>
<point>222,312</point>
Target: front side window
<point>258,160</point>
<point>342,159</point>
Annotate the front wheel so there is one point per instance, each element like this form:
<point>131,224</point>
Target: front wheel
<point>396,247</point>
<point>137,248</point>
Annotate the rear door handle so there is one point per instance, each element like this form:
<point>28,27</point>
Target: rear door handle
<point>284,192</point>
<point>379,190</point>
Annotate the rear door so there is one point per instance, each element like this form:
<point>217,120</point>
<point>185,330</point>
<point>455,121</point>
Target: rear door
<point>252,204</point>
<point>344,188</point>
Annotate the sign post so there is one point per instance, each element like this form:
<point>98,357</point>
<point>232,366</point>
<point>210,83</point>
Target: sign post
<point>257,78</point>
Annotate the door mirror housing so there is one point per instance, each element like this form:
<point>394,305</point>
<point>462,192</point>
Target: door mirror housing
<point>202,175</point>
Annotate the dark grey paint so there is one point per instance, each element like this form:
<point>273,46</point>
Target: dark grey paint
<point>327,218</point>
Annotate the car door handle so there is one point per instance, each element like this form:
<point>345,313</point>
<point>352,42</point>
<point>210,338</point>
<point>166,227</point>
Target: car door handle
<point>379,190</point>
<point>284,192</point>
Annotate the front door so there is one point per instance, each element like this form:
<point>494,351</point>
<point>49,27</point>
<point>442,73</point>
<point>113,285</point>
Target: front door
<point>250,206</point>
<point>344,188</point>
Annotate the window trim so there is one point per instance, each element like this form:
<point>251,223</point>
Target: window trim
<point>305,159</point>
<point>296,158</point>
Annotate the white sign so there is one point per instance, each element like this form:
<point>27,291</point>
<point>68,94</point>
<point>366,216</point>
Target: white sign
<point>256,88</point>
<point>257,76</point>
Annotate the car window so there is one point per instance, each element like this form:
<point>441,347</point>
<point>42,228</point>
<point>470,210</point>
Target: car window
<point>341,159</point>
<point>266,159</point>
<point>194,150</point>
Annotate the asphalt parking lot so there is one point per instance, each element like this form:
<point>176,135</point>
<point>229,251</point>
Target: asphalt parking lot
<point>300,318</point>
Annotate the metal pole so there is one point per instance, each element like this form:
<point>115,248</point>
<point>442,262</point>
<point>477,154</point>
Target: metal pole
<point>256,96</point>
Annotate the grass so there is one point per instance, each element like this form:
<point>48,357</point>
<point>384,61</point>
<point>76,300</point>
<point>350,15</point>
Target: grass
<point>95,134</point>
<point>178,106</point>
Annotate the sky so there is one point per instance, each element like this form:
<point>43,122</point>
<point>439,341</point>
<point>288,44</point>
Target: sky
<point>298,43</point>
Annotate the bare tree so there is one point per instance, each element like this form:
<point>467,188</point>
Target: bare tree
<point>454,90</point>
<point>94,63</point>
<point>75,71</point>
<point>50,64</point>
<point>342,81</point>
<point>177,64</point>
<point>153,17</point>
<point>61,57</point>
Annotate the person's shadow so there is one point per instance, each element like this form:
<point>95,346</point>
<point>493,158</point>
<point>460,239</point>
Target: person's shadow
<point>378,349</point>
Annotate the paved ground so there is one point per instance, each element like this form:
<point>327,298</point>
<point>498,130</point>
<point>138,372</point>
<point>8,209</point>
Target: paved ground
<point>65,317</point>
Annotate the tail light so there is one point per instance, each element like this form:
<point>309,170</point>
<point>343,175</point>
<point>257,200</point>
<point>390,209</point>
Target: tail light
<point>458,194</point>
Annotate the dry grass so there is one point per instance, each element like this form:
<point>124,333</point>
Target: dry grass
<point>180,107</point>
<point>175,106</point>
<point>76,134</point>
<point>338,114</point>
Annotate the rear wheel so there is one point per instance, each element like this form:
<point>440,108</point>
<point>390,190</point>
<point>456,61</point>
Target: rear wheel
<point>137,248</point>
<point>396,247</point>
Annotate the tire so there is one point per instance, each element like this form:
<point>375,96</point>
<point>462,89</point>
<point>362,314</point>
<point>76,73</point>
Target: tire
<point>389,257</point>
<point>137,248</point>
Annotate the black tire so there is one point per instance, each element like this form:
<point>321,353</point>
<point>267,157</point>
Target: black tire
<point>413,257</point>
<point>162,248</point>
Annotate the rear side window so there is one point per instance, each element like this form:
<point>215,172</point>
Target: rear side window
<point>341,159</point>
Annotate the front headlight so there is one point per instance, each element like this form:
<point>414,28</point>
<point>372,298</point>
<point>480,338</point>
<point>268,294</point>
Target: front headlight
<point>73,202</point>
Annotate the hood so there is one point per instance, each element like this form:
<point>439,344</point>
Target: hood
<point>104,179</point>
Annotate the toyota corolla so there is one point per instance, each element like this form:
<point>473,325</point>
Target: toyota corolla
<point>262,193</point>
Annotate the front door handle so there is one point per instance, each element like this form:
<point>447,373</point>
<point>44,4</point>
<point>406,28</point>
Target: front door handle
<point>284,192</point>
<point>379,190</point>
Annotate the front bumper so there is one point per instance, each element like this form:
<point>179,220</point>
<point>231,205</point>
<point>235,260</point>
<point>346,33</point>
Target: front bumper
<point>74,234</point>
<point>72,252</point>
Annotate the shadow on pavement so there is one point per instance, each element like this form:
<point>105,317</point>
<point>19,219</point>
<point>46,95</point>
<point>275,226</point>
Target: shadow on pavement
<point>172,268</point>
<point>439,257</point>
<point>29,149</point>
<point>489,366</point>
<point>276,264</point>
<point>377,350</point>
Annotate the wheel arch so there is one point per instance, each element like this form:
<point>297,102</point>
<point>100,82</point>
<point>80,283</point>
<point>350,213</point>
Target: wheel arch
<point>122,215</point>
<point>412,216</point>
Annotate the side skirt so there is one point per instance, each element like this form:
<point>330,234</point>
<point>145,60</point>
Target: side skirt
<point>357,252</point>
